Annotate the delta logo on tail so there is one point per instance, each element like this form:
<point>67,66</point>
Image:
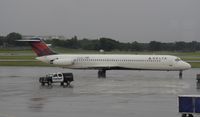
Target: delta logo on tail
<point>39,47</point>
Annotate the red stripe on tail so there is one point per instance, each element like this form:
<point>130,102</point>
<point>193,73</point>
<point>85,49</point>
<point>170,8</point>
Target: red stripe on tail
<point>40,48</point>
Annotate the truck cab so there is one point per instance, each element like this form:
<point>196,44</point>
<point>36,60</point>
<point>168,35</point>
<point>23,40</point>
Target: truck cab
<point>57,77</point>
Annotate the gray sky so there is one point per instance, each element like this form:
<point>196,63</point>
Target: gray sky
<point>123,20</point>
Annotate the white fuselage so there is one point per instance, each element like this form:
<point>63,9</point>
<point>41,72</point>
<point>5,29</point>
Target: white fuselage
<point>114,62</point>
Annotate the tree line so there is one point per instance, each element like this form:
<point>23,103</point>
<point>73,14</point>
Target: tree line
<point>106,44</point>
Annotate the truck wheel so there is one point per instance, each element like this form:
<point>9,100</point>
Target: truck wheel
<point>68,84</point>
<point>190,115</point>
<point>42,83</point>
<point>49,83</point>
<point>62,84</point>
<point>184,115</point>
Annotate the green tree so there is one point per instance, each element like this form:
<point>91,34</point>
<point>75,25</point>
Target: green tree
<point>12,38</point>
<point>72,43</point>
<point>57,42</point>
<point>135,46</point>
<point>87,44</point>
<point>155,46</point>
<point>181,46</point>
<point>2,40</point>
<point>107,44</point>
<point>193,46</point>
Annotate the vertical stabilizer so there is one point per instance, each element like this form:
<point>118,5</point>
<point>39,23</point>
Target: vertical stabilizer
<point>39,47</point>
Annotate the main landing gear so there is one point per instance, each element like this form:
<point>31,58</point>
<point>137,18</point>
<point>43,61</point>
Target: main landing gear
<point>102,73</point>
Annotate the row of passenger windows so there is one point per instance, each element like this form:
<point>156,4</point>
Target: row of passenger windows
<point>117,60</point>
<point>164,58</point>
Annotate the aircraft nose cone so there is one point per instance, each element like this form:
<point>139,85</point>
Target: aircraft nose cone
<point>187,66</point>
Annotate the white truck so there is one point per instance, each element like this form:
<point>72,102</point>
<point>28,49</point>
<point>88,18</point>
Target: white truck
<point>61,78</point>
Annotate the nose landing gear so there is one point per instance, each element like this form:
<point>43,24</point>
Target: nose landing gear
<point>180,74</point>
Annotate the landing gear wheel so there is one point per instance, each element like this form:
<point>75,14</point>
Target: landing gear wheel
<point>102,73</point>
<point>180,74</point>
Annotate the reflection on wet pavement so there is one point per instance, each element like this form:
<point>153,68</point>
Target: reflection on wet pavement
<point>123,93</point>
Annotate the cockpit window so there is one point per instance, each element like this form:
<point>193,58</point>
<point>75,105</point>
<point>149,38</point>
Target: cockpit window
<point>177,59</point>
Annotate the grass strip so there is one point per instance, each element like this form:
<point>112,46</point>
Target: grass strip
<point>195,64</point>
<point>23,63</point>
<point>18,57</point>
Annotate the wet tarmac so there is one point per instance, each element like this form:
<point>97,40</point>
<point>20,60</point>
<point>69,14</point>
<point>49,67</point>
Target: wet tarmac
<point>122,94</point>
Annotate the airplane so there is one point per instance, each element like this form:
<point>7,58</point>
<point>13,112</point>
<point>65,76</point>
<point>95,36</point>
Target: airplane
<point>104,62</point>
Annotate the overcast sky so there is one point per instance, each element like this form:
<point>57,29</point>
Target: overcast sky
<point>123,20</point>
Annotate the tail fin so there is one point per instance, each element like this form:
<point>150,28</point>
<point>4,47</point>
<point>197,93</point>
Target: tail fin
<point>39,47</point>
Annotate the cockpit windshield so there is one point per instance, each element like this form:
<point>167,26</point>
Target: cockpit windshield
<point>177,59</point>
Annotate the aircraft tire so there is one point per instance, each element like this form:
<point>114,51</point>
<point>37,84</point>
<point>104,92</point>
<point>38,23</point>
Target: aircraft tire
<point>62,84</point>
<point>184,115</point>
<point>42,83</point>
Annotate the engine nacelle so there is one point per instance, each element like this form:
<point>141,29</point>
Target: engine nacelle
<point>63,62</point>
